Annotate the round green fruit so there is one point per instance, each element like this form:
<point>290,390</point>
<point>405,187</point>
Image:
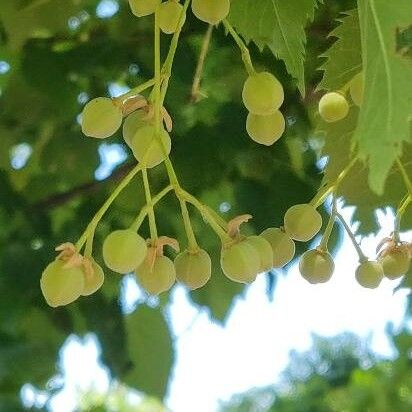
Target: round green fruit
<point>240,262</point>
<point>396,263</point>
<point>264,250</point>
<point>302,222</point>
<point>369,274</point>
<point>333,107</point>
<point>193,269</point>
<point>262,93</point>
<point>156,277</point>
<point>148,149</point>
<point>283,247</point>
<point>61,286</point>
<point>101,118</point>
<point>93,281</point>
<point>124,251</point>
<point>265,129</point>
<point>316,266</point>
<point>211,11</point>
<point>142,8</point>
<point>169,16</point>
<point>133,122</point>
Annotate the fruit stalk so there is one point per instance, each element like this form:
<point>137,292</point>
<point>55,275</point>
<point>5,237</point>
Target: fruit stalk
<point>242,46</point>
<point>362,257</point>
<point>328,231</point>
<point>143,212</point>
<point>100,213</point>
<point>149,204</point>
<point>195,93</point>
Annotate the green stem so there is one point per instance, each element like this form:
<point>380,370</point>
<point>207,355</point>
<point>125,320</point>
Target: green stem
<point>195,93</point>
<point>158,79</point>
<point>168,64</point>
<point>328,231</point>
<point>242,46</point>
<point>204,210</point>
<point>408,182</point>
<point>330,187</point>
<point>222,222</point>
<point>149,204</point>
<point>100,213</point>
<point>399,213</point>
<point>362,257</point>
<point>191,238</point>
<point>135,226</point>
<point>135,91</point>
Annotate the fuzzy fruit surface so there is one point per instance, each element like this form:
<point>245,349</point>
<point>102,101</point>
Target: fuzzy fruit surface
<point>265,129</point>
<point>396,263</point>
<point>211,11</point>
<point>93,281</point>
<point>193,269</point>
<point>333,107</point>
<point>316,266</point>
<point>124,251</point>
<point>169,16</point>
<point>61,286</point>
<point>142,8</point>
<point>101,118</point>
<point>262,93</point>
<point>283,246</point>
<point>148,148</point>
<point>369,274</point>
<point>133,122</point>
<point>156,276</point>
<point>240,262</point>
<point>302,222</point>
<point>264,250</point>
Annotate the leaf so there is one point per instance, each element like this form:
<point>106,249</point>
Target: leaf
<point>354,188</point>
<point>344,57</point>
<point>278,24</point>
<point>151,351</point>
<point>384,120</point>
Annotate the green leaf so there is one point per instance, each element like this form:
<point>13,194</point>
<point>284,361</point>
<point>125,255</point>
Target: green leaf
<point>344,57</point>
<point>280,25</point>
<point>151,351</point>
<point>384,120</point>
<point>354,188</point>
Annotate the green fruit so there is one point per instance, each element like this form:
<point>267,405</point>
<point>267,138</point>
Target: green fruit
<point>333,107</point>
<point>265,129</point>
<point>124,251</point>
<point>283,246</point>
<point>264,250</point>
<point>133,122</point>
<point>93,282</point>
<point>158,276</point>
<point>356,89</point>
<point>262,93</point>
<point>147,147</point>
<point>316,266</point>
<point>193,268</point>
<point>302,222</point>
<point>143,7</point>
<point>240,262</point>
<point>211,11</point>
<point>101,118</point>
<point>369,274</point>
<point>61,286</point>
<point>396,263</point>
<point>169,16</point>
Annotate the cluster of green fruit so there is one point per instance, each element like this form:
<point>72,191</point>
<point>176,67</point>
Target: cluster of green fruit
<point>146,131</point>
<point>333,106</point>
<point>170,11</point>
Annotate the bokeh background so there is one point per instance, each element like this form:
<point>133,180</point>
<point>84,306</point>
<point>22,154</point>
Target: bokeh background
<point>225,347</point>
